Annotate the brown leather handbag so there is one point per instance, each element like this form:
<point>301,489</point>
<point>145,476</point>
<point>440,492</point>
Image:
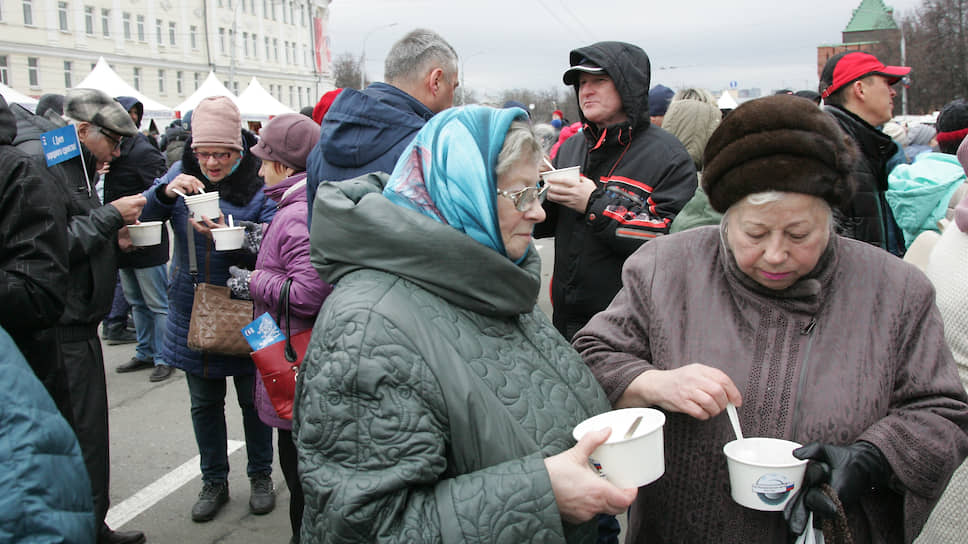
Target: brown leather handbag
<point>217,318</point>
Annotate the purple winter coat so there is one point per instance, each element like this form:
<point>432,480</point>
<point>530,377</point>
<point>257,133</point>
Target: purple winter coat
<point>284,253</point>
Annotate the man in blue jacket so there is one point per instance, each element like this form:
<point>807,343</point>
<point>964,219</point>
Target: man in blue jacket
<point>366,131</point>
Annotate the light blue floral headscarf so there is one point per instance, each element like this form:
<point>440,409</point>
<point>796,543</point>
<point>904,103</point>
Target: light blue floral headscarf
<point>448,172</point>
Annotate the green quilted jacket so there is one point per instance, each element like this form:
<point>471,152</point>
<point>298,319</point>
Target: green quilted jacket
<point>433,387</point>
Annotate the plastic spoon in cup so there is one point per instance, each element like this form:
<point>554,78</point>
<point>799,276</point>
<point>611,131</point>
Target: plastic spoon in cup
<point>179,192</point>
<point>632,427</point>
<point>734,419</point>
<point>201,191</point>
<point>547,162</point>
<point>231,223</point>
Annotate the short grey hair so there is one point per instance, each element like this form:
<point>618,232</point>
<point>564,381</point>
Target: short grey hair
<point>417,53</point>
<point>695,93</point>
<point>767,197</point>
<point>519,143</point>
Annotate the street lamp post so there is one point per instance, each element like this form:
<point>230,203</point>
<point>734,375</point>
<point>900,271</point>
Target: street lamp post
<point>363,53</point>
<point>462,61</point>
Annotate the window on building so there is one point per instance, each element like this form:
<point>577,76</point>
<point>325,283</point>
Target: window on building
<point>178,82</point>
<point>62,16</point>
<point>89,20</point>
<point>303,8</point>
<point>286,46</point>
<point>171,33</point>
<point>141,28</point>
<point>272,7</point>
<point>4,70</point>
<point>255,46</point>
<point>126,25</point>
<point>161,82</point>
<point>136,79</point>
<point>245,44</point>
<point>285,13</point>
<point>197,78</point>
<point>221,41</point>
<point>68,81</point>
<point>105,22</point>
<point>292,11</point>
<point>292,95</point>
<point>158,26</point>
<point>33,72</point>
<point>193,34</point>
<point>28,12</point>
<point>275,48</point>
<point>268,56</point>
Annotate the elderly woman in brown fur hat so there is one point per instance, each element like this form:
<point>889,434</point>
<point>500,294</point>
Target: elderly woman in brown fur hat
<point>818,339</point>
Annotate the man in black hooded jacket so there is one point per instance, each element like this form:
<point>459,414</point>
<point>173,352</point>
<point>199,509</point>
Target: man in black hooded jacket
<point>635,179</point>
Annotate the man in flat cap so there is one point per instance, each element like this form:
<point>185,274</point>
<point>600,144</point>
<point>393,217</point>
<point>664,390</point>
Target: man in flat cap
<point>857,91</point>
<point>101,124</point>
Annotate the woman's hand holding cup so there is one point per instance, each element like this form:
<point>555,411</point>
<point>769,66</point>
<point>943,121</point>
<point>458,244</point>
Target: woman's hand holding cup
<point>579,491</point>
<point>206,225</point>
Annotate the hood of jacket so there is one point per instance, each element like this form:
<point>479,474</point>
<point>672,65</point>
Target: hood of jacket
<point>363,126</point>
<point>408,244</point>
<point>129,102</point>
<point>8,124</point>
<point>631,71</point>
<point>237,187</point>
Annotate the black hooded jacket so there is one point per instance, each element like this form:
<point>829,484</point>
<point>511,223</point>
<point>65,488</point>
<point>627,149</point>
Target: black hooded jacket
<point>132,173</point>
<point>644,176</point>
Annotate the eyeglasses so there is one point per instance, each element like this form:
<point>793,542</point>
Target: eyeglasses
<point>525,197</point>
<point>115,142</point>
<point>219,156</point>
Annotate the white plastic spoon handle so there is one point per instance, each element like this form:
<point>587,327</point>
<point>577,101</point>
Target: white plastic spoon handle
<point>177,192</point>
<point>734,419</point>
<point>231,223</point>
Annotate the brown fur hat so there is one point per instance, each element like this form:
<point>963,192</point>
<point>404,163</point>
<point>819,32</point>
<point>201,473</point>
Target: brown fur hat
<point>778,143</point>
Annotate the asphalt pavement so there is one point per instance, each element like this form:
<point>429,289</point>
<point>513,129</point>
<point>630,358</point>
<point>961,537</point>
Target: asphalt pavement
<point>155,476</point>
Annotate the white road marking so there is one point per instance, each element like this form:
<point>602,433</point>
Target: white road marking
<point>134,505</point>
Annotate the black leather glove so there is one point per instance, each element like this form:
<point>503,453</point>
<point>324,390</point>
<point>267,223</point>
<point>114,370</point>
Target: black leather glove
<point>852,472</point>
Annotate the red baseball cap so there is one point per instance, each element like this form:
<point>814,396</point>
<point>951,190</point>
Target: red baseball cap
<point>843,69</point>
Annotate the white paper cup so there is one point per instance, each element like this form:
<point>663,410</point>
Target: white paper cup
<point>628,462</point>
<point>228,238</point>
<point>204,204</point>
<point>763,473</point>
<point>146,234</point>
<point>571,174</point>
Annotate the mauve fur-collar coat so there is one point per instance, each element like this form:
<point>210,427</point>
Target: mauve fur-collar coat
<point>854,351</point>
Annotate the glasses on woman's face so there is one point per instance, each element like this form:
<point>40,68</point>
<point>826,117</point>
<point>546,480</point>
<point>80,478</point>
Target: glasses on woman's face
<point>115,142</point>
<point>203,156</point>
<point>525,197</point>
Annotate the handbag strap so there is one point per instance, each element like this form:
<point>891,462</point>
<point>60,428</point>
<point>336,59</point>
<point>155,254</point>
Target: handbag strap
<point>283,306</point>
<point>192,262</point>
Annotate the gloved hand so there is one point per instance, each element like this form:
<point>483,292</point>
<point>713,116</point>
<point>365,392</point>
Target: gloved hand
<point>239,282</point>
<point>852,472</point>
<point>252,240</point>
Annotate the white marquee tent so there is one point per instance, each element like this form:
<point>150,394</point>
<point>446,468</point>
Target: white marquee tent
<point>210,87</point>
<point>103,78</point>
<point>17,97</point>
<point>256,104</point>
<point>726,101</point>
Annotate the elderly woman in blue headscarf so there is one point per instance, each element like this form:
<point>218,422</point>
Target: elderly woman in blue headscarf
<point>436,401</point>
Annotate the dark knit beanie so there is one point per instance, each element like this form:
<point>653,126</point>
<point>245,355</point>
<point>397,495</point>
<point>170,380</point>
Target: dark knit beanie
<point>778,143</point>
<point>952,125</point>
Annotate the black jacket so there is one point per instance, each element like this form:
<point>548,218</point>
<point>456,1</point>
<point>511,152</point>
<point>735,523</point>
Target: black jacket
<point>92,231</point>
<point>868,217</point>
<point>132,173</point>
<point>33,258</point>
<point>644,177</point>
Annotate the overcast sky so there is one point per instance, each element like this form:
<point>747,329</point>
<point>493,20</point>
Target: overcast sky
<point>505,44</point>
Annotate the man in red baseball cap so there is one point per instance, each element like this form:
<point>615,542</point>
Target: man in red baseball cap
<point>857,91</point>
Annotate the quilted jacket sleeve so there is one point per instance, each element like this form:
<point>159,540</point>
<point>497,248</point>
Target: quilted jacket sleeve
<point>372,435</point>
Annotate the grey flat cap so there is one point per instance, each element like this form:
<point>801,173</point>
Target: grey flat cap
<point>98,108</point>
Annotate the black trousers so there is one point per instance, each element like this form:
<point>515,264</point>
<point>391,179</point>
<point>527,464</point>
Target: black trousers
<point>84,365</point>
<point>288,464</point>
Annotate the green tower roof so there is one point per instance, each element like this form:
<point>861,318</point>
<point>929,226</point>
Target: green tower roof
<point>871,15</point>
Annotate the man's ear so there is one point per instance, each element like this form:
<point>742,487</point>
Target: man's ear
<point>857,90</point>
<point>434,79</point>
<point>83,130</point>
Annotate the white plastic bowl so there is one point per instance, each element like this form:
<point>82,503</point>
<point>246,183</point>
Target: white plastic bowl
<point>204,204</point>
<point>763,473</point>
<point>228,238</point>
<point>146,234</point>
<point>628,462</point>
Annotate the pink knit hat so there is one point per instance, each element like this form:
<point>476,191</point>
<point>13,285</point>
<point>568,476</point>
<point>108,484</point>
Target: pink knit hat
<point>216,121</point>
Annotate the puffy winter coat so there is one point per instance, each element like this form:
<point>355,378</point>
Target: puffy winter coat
<point>363,131</point>
<point>919,193</point>
<point>433,388</point>
<point>284,254</point>
<point>240,194</point>
<point>45,494</point>
<point>643,175</point>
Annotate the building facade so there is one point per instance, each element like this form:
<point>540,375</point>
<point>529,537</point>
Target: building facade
<point>166,48</point>
<point>871,25</point>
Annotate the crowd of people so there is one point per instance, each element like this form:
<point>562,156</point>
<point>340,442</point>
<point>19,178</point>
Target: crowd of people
<point>703,258</point>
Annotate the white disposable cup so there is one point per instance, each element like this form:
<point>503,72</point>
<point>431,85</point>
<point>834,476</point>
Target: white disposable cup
<point>627,462</point>
<point>204,204</point>
<point>228,238</point>
<point>146,234</point>
<point>571,174</point>
<point>763,473</point>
